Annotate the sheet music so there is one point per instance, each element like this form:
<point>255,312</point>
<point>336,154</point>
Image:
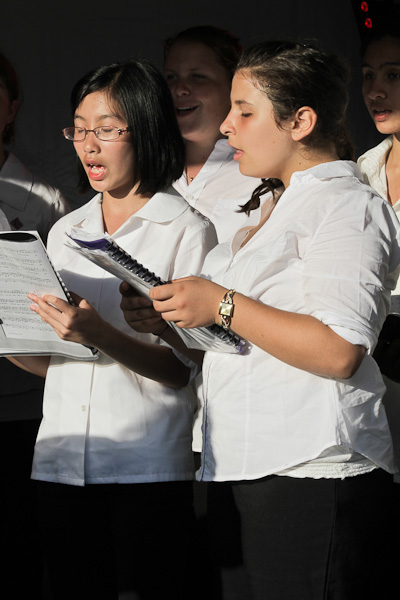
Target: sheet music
<point>22,271</point>
<point>25,268</point>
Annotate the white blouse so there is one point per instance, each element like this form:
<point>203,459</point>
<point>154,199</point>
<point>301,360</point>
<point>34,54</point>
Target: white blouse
<point>103,423</point>
<point>219,190</point>
<point>331,250</point>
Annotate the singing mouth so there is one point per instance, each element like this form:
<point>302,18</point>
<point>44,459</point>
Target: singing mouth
<point>96,171</point>
<point>182,111</point>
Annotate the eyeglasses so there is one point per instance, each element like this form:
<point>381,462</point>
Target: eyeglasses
<point>105,134</point>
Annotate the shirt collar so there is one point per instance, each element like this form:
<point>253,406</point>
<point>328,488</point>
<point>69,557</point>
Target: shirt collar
<point>16,183</point>
<point>221,153</point>
<point>328,170</point>
<point>373,164</point>
<point>161,208</point>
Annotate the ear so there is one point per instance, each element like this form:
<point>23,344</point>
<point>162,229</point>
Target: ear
<point>12,111</point>
<point>304,122</point>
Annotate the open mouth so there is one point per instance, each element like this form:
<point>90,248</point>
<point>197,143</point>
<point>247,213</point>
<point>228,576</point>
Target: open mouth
<point>380,114</point>
<point>183,111</point>
<point>238,154</point>
<point>96,171</point>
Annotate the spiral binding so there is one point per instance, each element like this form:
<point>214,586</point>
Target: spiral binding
<point>119,255</point>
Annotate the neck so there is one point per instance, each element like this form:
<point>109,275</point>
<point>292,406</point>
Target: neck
<point>395,151</point>
<point>393,171</point>
<point>2,156</point>
<point>197,153</point>
<point>305,160</point>
<point>196,156</point>
<point>116,211</point>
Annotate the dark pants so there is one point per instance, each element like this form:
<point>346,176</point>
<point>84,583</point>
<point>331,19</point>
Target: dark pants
<point>104,539</point>
<point>20,545</point>
<point>281,538</point>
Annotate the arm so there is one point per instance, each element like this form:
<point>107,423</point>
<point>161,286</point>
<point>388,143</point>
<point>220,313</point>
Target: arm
<point>37,365</point>
<point>82,324</point>
<point>299,340</point>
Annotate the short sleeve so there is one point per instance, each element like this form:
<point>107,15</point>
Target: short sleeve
<point>351,266</point>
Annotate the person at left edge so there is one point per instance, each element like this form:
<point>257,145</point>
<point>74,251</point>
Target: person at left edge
<point>29,203</point>
<point>113,457</point>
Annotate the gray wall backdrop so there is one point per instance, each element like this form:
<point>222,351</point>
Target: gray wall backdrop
<point>52,44</point>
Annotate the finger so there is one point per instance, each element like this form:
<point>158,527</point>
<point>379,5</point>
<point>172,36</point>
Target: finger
<point>141,315</point>
<point>127,290</point>
<point>132,303</point>
<point>189,278</point>
<point>46,311</point>
<point>162,292</point>
<point>76,299</point>
<point>49,300</point>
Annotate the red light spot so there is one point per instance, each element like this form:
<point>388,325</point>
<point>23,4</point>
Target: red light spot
<point>364,6</point>
<point>368,23</point>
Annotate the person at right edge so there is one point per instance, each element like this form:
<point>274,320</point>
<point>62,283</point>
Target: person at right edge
<point>381,170</point>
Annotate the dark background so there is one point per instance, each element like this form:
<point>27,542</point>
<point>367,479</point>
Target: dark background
<point>53,44</point>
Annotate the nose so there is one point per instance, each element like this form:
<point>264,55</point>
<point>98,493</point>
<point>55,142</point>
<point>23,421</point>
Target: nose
<point>375,89</point>
<point>90,143</point>
<point>180,87</point>
<point>227,127</point>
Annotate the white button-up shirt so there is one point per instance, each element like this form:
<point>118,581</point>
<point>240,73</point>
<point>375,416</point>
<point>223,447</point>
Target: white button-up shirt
<point>331,250</point>
<point>219,190</point>
<point>4,225</point>
<point>28,202</point>
<point>102,422</point>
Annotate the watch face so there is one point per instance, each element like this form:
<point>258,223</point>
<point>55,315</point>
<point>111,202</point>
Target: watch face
<point>225,309</point>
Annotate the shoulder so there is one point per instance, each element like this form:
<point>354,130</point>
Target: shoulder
<point>335,193</point>
<point>75,217</point>
<point>377,154</point>
<point>372,165</point>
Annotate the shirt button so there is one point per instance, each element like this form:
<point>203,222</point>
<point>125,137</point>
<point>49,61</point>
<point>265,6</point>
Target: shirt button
<point>190,197</point>
<point>83,407</point>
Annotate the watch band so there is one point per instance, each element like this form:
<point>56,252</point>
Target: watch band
<point>226,308</point>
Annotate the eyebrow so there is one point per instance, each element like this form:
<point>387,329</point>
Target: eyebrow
<point>240,102</point>
<point>382,65</point>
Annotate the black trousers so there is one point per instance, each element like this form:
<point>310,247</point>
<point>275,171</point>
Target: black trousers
<point>22,564</point>
<point>281,538</point>
<point>101,540</point>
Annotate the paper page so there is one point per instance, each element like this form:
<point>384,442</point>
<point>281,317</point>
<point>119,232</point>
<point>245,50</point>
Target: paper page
<point>24,268</point>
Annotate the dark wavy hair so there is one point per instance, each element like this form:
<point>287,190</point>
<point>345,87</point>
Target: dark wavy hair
<point>385,25</point>
<point>293,75</point>
<point>10,81</point>
<point>226,46</point>
<point>143,97</point>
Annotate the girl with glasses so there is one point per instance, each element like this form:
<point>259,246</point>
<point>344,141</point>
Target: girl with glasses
<point>113,457</point>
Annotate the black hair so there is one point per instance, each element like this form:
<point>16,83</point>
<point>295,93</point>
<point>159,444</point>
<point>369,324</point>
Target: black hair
<point>293,75</point>
<point>10,81</point>
<point>226,46</point>
<point>384,26</point>
<point>140,92</point>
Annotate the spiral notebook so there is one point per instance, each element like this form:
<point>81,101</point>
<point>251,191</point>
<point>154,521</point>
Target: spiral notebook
<point>24,268</point>
<point>105,252</point>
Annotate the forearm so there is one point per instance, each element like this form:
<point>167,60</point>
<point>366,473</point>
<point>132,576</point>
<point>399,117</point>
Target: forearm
<point>174,340</point>
<point>37,365</point>
<point>297,339</point>
<point>83,325</point>
<point>149,360</point>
